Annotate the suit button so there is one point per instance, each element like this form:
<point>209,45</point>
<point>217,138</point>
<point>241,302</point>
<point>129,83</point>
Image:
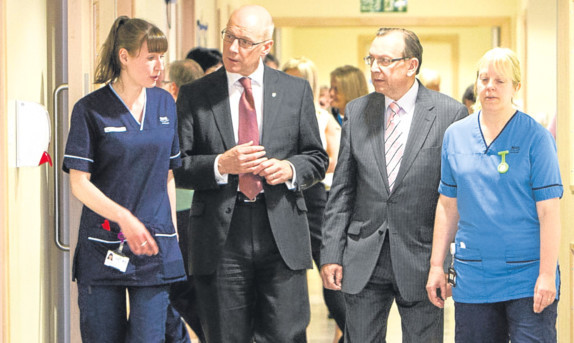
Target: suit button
<point>228,210</point>
<point>381,232</point>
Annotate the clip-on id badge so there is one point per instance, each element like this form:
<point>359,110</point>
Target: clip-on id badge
<point>115,258</point>
<point>451,271</point>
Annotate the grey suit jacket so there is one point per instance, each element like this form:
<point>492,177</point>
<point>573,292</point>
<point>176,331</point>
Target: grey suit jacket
<point>361,210</point>
<point>289,132</point>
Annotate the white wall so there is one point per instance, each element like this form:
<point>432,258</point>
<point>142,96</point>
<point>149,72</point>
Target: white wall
<point>538,66</point>
<point>27,194</point>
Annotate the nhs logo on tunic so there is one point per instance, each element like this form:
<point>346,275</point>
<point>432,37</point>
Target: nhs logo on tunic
<point>164,120</point>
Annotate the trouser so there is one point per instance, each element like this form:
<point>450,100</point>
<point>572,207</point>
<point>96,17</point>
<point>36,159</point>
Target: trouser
<point>182,295</point>
<point>368,311</point>
<point>500,322</point>
<point>253,295</point>
<point>103,313</point>
<point>316,199</point>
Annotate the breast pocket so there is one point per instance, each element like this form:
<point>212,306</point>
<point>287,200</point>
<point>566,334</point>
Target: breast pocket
<point>424,173</point>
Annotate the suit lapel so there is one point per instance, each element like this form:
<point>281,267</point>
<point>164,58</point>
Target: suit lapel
<point>376,131</point>
<point>219,97</point>
<point>271,102</point>
<point>423,118</point>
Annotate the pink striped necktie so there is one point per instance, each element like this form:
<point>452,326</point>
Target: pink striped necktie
<point>249,184</point>
<point>394,143</point>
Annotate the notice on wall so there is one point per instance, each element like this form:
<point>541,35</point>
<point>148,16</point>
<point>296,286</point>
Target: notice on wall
<point>201,33</point>
<point>384,5</point>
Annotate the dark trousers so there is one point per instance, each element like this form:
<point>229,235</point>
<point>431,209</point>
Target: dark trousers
<point>501,322</point>
<point>253,295</point>
<point>103,313</point>
<point>182,295</point>
<point>316,199</point>
<point>368,311</point>
<point>175,330</point>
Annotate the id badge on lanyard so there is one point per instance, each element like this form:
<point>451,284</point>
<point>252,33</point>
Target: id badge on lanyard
<point>115,258</point>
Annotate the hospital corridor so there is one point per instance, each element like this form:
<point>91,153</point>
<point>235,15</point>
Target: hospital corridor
<point>50,51</point>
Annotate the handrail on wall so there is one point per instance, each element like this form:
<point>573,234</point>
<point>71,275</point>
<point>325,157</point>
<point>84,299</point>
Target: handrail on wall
<point>59,244</point>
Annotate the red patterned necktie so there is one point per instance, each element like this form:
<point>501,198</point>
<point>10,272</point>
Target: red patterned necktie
<point>249,184</point>
<point>394,143</point>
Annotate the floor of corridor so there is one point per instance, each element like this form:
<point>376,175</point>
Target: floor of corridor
<point>322,329</point>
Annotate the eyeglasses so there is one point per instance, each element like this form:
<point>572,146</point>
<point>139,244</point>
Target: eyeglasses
<point>382,61</point>
<point>243,43</point>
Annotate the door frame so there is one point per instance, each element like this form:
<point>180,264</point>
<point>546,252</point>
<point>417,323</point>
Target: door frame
<point>565,143</point>
<point>81,35</point>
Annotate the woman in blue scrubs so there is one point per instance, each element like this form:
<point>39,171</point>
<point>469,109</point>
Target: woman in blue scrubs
<point>120,153</point>
<point>499,202</point>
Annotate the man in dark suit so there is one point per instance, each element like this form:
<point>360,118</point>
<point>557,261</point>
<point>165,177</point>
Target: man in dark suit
<point>249,244</point>
<point>378,229</point>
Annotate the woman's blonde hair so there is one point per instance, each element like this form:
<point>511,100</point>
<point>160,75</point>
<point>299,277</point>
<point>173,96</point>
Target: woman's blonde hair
<point>129,34</point>
<point>505,62</point>
<point>350,81</point>
<point>308,71</point>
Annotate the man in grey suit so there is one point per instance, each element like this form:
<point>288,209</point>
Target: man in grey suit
<point>249,244</point>
<point>378,229</point>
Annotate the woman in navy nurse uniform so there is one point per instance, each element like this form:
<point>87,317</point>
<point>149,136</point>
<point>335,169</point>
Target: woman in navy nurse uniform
<point>120,153</point>
<point>499,194</point>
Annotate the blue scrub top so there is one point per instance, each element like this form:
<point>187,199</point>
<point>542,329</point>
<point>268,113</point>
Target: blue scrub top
<point>497,254</point>
<point>129,162</point>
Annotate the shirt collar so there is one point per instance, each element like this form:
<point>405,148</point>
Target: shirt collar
<point>256,76</point>
<point>406,102</point>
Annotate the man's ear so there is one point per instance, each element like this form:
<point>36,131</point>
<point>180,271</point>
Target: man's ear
<point>413,66</point>
<point>266,48</point>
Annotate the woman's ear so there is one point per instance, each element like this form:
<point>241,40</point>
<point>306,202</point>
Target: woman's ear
<point>123,55</point>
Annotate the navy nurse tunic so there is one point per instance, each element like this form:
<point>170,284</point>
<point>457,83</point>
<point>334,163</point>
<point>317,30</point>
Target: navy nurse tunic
<point>497,254</point>
<point>129,162</point>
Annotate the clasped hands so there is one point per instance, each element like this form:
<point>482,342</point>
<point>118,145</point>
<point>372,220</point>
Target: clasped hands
<point>249,158</point>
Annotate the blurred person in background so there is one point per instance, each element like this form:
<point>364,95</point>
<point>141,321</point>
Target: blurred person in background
<point>430,78</point>
<point>210,60</point>
<point>271,61</point>
<point>469,99</point>
<point>324,99</point>
<point>347,83</point>
<point>316,196</point>
<point>182,294</point>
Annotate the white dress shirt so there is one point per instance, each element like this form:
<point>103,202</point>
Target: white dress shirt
<point>407,104</point>
<point>235,90</point>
